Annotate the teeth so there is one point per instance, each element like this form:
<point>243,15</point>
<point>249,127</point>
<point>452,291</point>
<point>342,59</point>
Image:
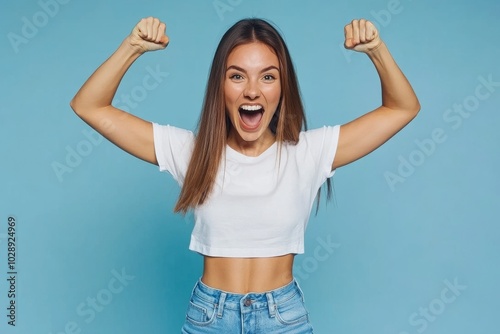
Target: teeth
<point>251,108</point>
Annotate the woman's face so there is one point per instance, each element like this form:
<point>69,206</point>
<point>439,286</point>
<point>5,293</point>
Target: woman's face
<point>252,90</point>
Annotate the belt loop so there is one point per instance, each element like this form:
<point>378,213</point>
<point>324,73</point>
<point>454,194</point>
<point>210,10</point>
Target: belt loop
<point>297,286</point>
<point>195,286</point>
<point>270,304</point>
<point>220,307</point>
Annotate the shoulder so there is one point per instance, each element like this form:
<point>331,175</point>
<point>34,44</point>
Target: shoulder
<point>318,135</point>
<point>173,147</point>
<point>172,135</point>
<point>320,143</point>
<point>170,130</point>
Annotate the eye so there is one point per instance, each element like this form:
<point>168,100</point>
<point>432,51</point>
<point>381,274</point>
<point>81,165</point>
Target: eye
<point>269,77</point>
<point>235,77</point>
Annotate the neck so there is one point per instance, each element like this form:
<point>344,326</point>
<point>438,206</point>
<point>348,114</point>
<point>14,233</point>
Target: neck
<point>251,148</point>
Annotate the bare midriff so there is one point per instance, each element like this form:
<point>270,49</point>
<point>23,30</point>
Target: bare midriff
<point>243,275</point>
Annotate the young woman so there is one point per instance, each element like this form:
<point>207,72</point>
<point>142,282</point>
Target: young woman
<point>251,172</point>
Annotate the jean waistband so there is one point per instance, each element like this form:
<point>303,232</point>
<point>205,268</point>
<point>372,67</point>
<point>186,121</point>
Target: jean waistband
<point>249,301</point>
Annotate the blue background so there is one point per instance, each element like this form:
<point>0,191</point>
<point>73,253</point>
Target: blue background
<point>407,221</point>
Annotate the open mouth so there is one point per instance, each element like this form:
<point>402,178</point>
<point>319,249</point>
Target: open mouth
<point>251,115</point>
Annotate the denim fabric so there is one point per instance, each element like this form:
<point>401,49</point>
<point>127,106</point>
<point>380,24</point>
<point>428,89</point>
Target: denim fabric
<point>278,311</point>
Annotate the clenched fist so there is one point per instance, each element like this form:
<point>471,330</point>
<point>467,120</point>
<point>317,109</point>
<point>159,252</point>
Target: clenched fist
<point>149,35</point>
<point>362,36</point>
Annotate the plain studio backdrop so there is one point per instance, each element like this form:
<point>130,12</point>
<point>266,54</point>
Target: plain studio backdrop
<point>410,243</point>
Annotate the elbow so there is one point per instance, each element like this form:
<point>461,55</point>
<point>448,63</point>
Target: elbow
<point>72,104</point>
<point>410,111</point>
<point>413,109</point>
<point>75,106</point>
<point>416,108</point>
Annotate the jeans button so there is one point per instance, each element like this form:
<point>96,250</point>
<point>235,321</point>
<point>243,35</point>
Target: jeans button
<point>247,302</point>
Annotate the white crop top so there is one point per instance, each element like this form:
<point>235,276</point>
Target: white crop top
<point>259,206</point>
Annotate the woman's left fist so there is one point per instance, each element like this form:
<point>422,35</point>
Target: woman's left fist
<point>362,36</point>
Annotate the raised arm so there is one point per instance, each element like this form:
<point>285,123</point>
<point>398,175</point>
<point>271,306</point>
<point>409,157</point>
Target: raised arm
<point>399,103</point>
<point>92,103</point>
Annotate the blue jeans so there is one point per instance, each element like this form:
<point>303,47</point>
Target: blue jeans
<point>278,311</point>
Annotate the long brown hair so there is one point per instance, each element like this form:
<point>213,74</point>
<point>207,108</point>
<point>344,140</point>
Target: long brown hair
<point>214,124</point>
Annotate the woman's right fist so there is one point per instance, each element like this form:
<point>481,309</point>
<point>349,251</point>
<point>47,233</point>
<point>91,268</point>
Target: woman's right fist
<point>149,35</point>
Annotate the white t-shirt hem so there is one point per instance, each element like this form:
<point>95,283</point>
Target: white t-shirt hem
<point>291,248</point>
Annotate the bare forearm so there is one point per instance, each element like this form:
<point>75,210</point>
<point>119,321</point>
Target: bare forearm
<point>99,90</point>
<point>397,93</point>
<point>399,103</point>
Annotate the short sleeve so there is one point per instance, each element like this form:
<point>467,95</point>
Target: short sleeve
<point>322,145</point>
<point>173,147</point>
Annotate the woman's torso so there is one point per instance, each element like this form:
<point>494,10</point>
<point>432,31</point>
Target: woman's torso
<point>243,275</point>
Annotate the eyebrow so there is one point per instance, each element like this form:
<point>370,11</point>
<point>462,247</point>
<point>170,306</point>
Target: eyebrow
<point>234,67</point>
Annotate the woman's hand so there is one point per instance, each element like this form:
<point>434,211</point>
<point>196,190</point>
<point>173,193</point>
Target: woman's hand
<point>149,35</point>
<point>362,36</point>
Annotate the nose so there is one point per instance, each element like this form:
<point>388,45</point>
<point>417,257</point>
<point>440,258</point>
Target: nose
<point>252,90</point>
